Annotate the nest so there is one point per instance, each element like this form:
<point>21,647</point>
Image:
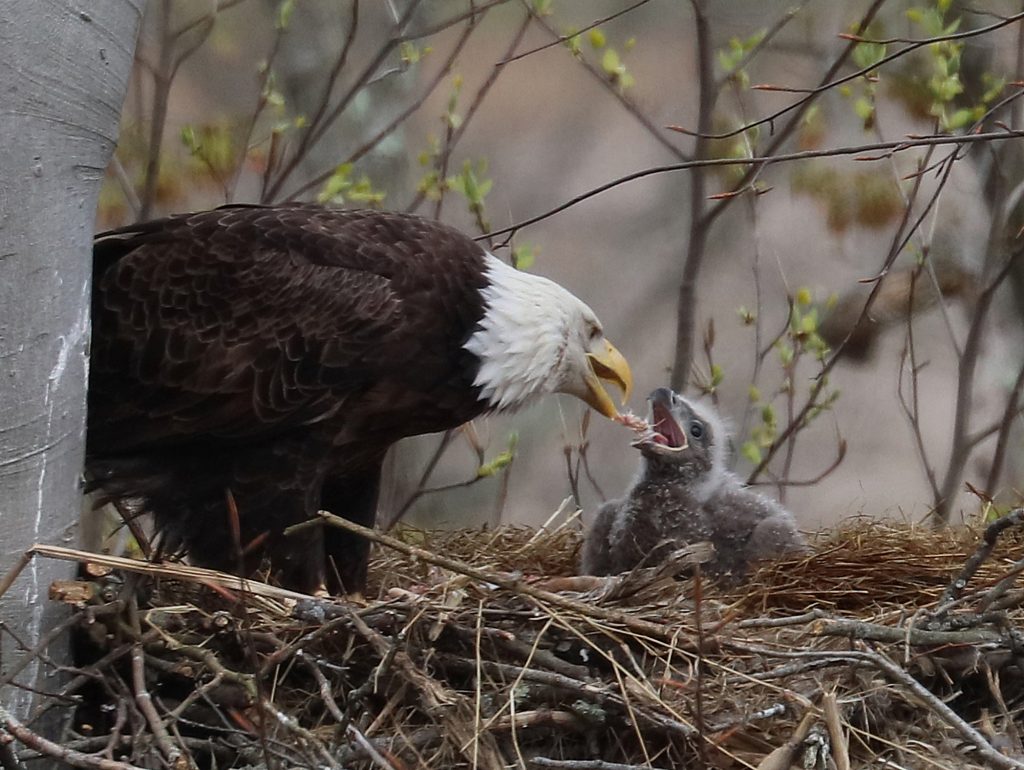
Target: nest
<point>886,646</point>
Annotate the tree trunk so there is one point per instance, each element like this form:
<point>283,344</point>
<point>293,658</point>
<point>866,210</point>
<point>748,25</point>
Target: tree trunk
<point>64,70</point>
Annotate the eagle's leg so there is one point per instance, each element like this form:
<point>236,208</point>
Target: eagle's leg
<point>273,489</point>
<point>354,497</point>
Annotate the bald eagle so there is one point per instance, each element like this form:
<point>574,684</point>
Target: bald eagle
<point>272,355</point>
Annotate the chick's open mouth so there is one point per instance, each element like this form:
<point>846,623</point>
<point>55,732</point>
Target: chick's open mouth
<point>663,431</point>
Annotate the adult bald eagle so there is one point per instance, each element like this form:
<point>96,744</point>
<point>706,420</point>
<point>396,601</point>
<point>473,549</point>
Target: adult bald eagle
<point>277,352</point>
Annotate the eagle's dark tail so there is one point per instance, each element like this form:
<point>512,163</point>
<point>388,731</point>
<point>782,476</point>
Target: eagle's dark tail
<point>226,511</point>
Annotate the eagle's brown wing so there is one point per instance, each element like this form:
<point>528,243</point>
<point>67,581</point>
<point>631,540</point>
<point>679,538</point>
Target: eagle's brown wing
<point>249,320</point>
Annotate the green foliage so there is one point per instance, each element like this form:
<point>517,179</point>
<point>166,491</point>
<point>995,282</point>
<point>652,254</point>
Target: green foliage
<point>800,340</point>
<point>500,461</point>
<point>523,256</point>
<point>284,13</point>
<point>731,58</point>
<point>341,188</point>
<point>451,115</point>
<point>747,316</point>
<point>943,85</point>
<point>542,7</point>
<point>411,53</point>
<point>612,63</point>
<point>738,146</point>
<point>472,184</point>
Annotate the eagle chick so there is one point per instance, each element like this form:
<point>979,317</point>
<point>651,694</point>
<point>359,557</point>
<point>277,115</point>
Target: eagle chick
<point>683,494</point>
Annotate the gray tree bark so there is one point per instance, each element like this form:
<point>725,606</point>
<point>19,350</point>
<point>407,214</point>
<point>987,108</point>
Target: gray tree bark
<point>64,68</point>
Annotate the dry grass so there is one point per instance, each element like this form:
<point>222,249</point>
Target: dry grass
<point>479,649</point>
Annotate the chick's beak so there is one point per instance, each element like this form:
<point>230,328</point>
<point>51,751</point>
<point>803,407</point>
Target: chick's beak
<point>611,366</point>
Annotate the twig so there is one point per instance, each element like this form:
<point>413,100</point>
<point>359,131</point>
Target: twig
<point>395,122</point>
<point>563,38</point>
<point>886,148</point>
<point>1003,440</point>
<point>175,570</point>
<point>828,83</point>
<point>834,722</point>
<point>371,751</point>
<point>144,700</point>
<point>513,584</point>
<point>314,133</point>
<point>961,448</point>
<point>586,764</point>
<point>322,685</point>
<point>858,629</point>
<point>8,759</point>
<point>782,757</point>
<point>447,707</point>
<point>652,128</point>
<point>55,751</point>
<point>956,589</point>
<point>700,222</point>
<point>292,725</point>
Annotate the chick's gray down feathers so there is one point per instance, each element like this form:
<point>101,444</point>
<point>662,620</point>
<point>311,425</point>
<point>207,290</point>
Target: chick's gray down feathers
<point>683,494</point>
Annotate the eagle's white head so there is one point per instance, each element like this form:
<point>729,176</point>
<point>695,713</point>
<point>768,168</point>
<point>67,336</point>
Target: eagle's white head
<point>537,338</point>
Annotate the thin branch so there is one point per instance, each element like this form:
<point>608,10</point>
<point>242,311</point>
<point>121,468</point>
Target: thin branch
<point>830,81</point>
<point>656,131</point>
<point>961,448</point>
<point>1003,441</point>
<point>314,133</point>
<point>454,134</point>
<point>563,38</point>
<point>956,588</point>
<point>904,232</point>
<point>696,242</point>
<point>47,748</point>
<point>770,34</point>
<point>886,148</point>
<point>395,122</point>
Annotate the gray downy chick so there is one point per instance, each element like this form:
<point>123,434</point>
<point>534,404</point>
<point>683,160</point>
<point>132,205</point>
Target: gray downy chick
<point>683,494</point>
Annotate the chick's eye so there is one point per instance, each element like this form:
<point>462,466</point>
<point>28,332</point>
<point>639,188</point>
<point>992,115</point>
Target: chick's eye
<point>696,429</point>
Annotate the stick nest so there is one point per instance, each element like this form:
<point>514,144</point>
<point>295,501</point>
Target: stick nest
<point>480,649</point>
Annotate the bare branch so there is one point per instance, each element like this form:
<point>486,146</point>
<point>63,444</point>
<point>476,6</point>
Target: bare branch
<point>831,81</point>
<point>961,448</point>
<point>563,38</point>
<point>886,148</point>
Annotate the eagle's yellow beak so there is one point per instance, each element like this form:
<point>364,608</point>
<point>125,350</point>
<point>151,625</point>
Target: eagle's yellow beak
<point>609,365</point>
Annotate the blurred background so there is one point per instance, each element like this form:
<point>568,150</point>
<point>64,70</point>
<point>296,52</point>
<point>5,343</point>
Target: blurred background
<point>486,114</point>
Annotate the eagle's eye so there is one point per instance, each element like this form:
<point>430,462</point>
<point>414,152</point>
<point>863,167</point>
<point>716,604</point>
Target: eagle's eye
<point>696,429</point>
<point>593,333</point>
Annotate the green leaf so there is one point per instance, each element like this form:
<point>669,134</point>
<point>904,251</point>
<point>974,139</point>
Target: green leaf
<point>572,41</point>
<point>523,256</point>
<point>751,452</point>
<point>597,39</point>
<point>188,138</point>
<point>960,118</point>
<point>867,55</point>
<point>864,109</point>
<point>610,62</point>
<point>409,53</point>
<point>284,13</point>
<point>501,460</point>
